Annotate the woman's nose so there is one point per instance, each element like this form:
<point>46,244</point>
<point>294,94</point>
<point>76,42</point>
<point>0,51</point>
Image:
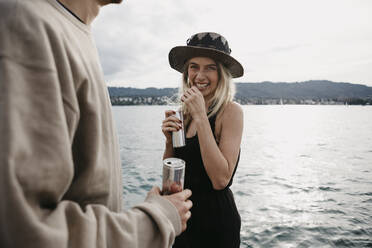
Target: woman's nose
<point>200,75</point>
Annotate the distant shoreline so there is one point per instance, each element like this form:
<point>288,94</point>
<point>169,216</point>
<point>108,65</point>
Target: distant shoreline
<point>150,101</point>
<point>314,92</point>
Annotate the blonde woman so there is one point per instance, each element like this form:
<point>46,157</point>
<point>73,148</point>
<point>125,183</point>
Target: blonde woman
<point>213,125</point>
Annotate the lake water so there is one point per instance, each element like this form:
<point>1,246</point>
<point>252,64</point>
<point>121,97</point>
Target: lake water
<point>304,178</point>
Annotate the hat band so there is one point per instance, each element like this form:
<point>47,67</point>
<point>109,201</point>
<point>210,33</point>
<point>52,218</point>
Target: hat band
<point>222,49</point>
<point>208,42</point>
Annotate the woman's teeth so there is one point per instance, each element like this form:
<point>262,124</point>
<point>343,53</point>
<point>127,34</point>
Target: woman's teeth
<point>202,86</point>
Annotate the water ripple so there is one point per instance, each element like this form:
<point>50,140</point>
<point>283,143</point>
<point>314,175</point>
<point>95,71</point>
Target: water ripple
<point>146,187</point>
<point>308,189</point>
<point>279,178</point>
<point>343,242</point>
<point>360,194</point>
<point>241,193</point>
<point>323,188</point>
<point>332,211</point>
<point>361,232</point>
<point>285,185</point>
<point>323,230</point>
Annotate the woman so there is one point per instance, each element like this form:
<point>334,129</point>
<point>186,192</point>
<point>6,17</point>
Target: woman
<point>213,126</point>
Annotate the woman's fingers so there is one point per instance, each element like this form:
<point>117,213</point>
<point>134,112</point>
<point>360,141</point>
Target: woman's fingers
<point>194,89</point>
<point>170,116</point>
<point>191,93</point>
<point>169,113</point>
<point>170,129</point>
<point>172,119</point>
<point>187,95</point>
<point>171,124</point>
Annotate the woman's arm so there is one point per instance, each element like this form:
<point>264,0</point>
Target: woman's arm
<point>168,151</point>
<point>220,160</point>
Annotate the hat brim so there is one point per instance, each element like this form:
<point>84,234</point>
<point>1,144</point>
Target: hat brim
<point>180,54</point>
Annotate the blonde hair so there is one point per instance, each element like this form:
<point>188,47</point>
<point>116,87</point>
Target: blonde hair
<point>223,94</point>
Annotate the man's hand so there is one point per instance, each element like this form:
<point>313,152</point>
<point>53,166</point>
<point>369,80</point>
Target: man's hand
<point>180,201</point>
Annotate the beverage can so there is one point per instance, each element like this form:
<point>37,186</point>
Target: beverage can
<point>173,175</point>
<point>178,138</point>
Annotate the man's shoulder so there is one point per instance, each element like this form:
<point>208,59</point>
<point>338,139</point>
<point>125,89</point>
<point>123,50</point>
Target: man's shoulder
<point>14,8</point>
<point>25,13</point>
<point>26,31</point>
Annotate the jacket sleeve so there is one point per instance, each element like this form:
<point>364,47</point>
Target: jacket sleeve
<point>37,167</point>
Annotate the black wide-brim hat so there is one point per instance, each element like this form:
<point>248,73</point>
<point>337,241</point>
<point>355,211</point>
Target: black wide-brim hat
<point>205,44</point>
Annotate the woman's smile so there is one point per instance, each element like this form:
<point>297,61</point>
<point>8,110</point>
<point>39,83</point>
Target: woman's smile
<point>202,86</point>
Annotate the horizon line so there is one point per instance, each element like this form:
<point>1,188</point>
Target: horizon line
<point>266,81</point>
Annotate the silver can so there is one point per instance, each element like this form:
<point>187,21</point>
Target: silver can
<point>178,138</point>
<point>173,175</point>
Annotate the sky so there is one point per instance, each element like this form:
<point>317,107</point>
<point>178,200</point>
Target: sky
<point>274,40</point>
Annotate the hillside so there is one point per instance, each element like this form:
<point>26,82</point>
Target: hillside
<point>309,92</point>
<point>303,90</point>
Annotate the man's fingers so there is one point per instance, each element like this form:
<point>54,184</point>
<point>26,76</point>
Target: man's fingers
<point>188,215</point>
<point>188,204</point>
<point>185,194</point>
<point>155,190</point>
<point>183,205</point>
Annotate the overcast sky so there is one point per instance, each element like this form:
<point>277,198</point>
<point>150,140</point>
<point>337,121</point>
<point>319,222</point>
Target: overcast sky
<point>275,40</point>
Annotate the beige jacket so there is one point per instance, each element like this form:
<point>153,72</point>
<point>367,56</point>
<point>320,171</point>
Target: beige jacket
<point>60,177</point>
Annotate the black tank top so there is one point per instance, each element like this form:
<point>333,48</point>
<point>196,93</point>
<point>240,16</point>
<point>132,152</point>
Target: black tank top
<point>215,221</point>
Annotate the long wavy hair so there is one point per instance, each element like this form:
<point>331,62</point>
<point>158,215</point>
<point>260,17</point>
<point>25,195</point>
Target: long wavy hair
<point>224,93</point>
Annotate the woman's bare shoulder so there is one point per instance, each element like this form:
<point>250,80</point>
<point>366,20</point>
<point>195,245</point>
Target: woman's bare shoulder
<point>231,117</point>
<point>232,110</point>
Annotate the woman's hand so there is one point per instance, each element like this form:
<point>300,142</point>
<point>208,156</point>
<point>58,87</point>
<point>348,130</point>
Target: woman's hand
<point>170,124</point>
<point>194,100</point>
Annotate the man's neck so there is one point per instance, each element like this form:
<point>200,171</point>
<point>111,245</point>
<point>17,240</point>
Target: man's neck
<point>85,10</point>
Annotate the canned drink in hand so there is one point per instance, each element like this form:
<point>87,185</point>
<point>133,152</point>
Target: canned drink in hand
<point>173,175</point>
<point>178,138</point>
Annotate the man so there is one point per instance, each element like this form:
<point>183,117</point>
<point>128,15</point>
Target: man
<point>60,178</point>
